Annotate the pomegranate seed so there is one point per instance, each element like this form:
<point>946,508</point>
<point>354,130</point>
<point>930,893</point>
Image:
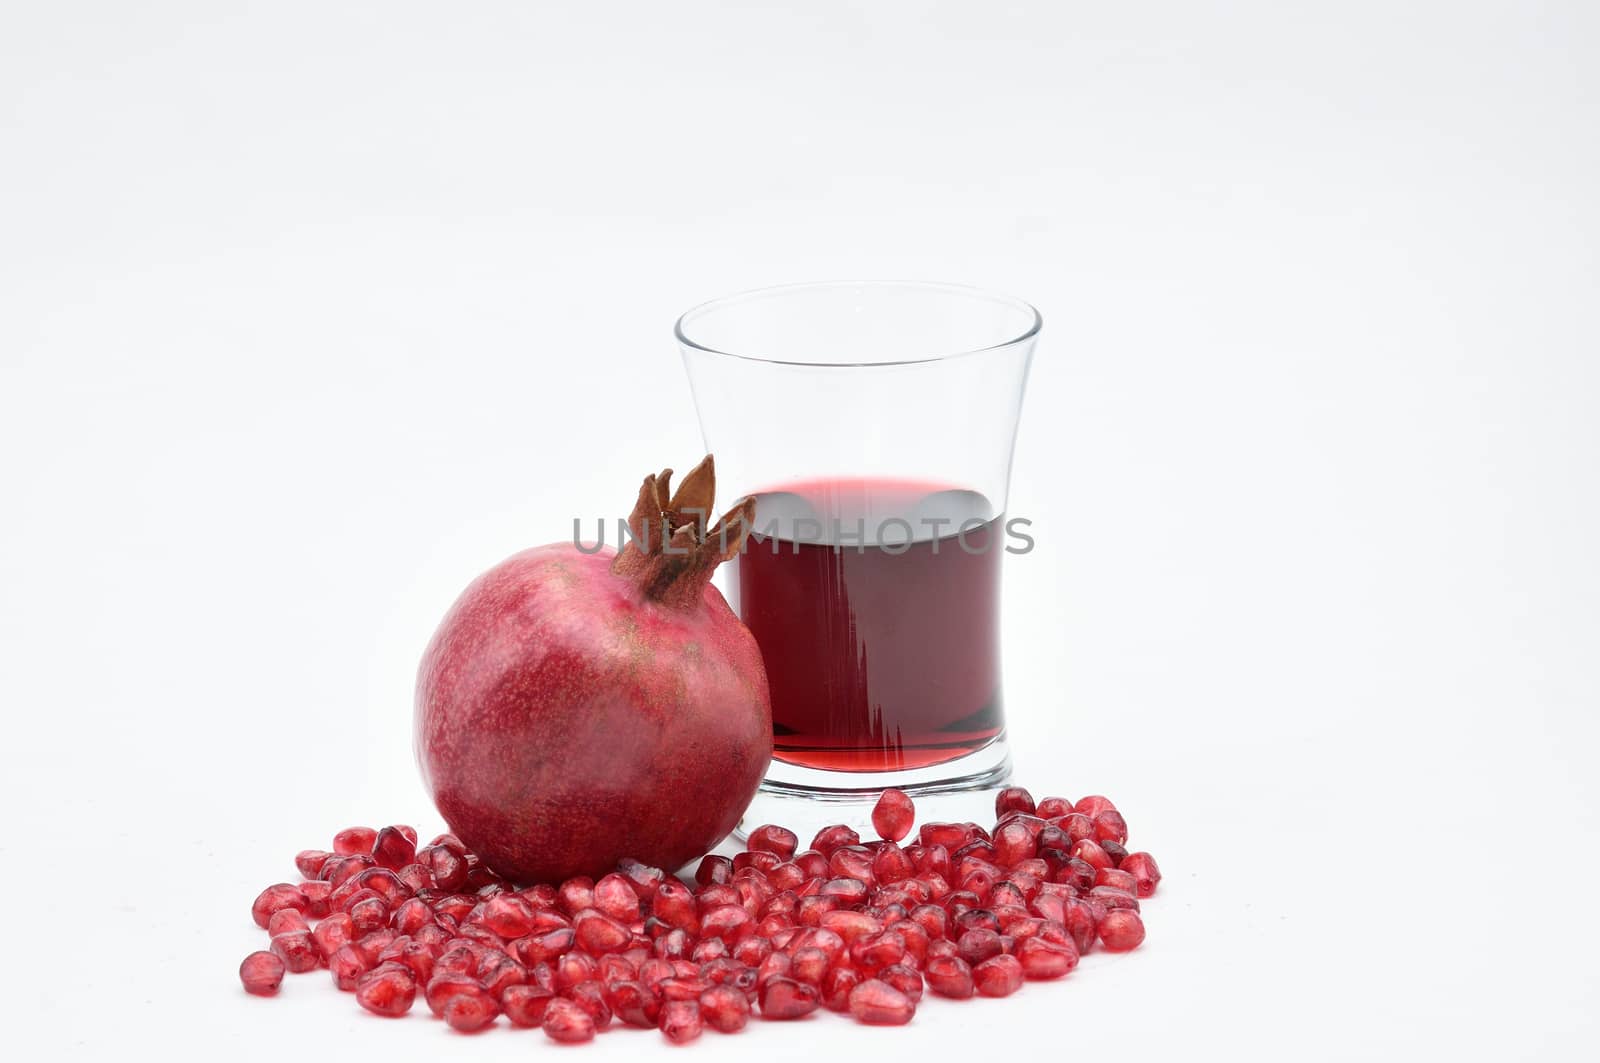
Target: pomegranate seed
<point>576,894</point>
<point>998,976</point>
<point>644,878</point>
<point>809,965</point>
<point>348,964</point>
<point>448,867</point>
<point>979,944</point>
<point>904,978</point>
<point>874,953</point>
<point>724,1009</point>
<point>286,920</point>
<point>949,976</point>
<point>1121,930</point>
<point>1013,799</point>
<point>890,864</point>
<point>770,839</point>
<point>274,899</point>
<point>1093,805</point>
<point>1116,879</point>
<point>714,870</point>
<point>443,986</point>
<point>674,905</point>
<point>387,993</point>
<point>332,934</point>
<point>591,997</point>
<point>318,894</point>
<point>392,849</point>
<point>852,861</point>
<point>680,1021</point>
<point>893,815</point>
<point>880,1004</point>
<point>261,973</point>
<point>812,862</point>
<point>1042,959</point>
<point>573,969</point>
<point>1146,875</point>
<point>353,840</point>
<point>1014,843</point>
<point>369,915</point>
<point>784,998</point>
<point>729,922</point>
<point>830,838</point>
<point>1091,853</point>
<point>525,1005</point>
<point>1110,826</point>
<point>633,1003</point>
<point>614,898</point>
<point>566,1022</point>
<point>309,861</point>
<point>598,934</point>
<point>1109,897</point>
<point>469,1013</point>
<point>508,916</point>
<point>1053,807</point>
<point>836,987</point>
<point>297,951</point>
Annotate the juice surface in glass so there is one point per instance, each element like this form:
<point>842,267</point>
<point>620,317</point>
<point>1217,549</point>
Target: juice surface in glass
<point>876,607</point>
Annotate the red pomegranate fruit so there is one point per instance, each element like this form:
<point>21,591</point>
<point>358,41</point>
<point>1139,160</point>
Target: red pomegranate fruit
<point>577,708</point>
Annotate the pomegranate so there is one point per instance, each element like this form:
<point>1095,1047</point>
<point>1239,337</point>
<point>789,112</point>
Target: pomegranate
<point>577,708</point>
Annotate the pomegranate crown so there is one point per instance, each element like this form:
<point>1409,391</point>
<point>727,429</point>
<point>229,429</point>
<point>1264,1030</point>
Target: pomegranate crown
<point>671,552</point>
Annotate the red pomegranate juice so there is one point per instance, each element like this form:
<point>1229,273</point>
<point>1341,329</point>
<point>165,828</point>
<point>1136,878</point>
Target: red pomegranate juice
<point>876,607</point>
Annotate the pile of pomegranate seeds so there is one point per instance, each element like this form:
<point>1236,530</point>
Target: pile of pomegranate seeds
<point>847,925</point>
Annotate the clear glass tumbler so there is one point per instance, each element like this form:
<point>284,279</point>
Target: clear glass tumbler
<point>874,424</point>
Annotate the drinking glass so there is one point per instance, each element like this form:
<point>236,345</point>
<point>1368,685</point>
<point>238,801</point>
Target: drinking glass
<point>874,424</point>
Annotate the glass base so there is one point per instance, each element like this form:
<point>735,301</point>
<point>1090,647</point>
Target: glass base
<point>807,799</point>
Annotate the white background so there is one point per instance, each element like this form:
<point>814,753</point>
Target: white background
<point>309,312</point>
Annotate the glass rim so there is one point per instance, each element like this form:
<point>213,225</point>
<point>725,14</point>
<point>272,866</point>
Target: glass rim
<point>1035,321</point>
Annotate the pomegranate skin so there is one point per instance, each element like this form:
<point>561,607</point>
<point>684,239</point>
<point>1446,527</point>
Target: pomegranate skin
<point>564,720</point>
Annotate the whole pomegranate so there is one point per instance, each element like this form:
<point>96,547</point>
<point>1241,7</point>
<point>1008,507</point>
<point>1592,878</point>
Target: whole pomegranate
<point>574,709</point>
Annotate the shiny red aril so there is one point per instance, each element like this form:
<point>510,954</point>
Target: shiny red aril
<point>468,1013</point>
<point>893,815</point>
<point>878,1003</point>
<point>1043,959</point>
<point>772,839</point>
<point>1093,805</point>
<point>261,973</point>
<point>786,998</point>
<point>830,838</point>
<point>353,840</point>
<point>836,987</point>
<point>297,951</point>
<point>598,934</point>
<point>1146,875</point>
<point>999,976</point>
<point>392,849</point>
<point>387,993</point>
<point>724,1009</point>
<point>309,861</point>
<point>1121,930</point>
<point>949,976</point>
<point>904,978</point>
<point>680,1021</point>
<point>1053,807</point>
<point>525,1005</point>
<point>566,1022</point>
<point>615,898</point>
<point>274,899</point>
<point>1013,799</point>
